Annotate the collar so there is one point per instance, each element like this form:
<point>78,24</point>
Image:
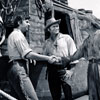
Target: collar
<point>59,36</point>
<point>18,30</point>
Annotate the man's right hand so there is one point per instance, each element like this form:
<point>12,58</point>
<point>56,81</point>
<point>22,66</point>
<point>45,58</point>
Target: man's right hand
<point>54,59</point>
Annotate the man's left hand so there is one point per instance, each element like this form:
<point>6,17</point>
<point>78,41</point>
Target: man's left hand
<point>69,73</point>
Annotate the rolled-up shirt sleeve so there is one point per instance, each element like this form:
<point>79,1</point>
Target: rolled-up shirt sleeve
<point>22,46</point>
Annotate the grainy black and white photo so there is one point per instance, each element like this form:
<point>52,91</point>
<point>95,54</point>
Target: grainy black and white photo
<point>49,50</point>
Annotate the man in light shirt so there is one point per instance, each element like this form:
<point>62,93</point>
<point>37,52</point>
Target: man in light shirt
<point>19,51</point>
<point>60,45</point>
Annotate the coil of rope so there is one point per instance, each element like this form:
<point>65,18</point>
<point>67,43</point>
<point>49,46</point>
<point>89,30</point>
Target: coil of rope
<point>44,6</point>
<point>12,6</point>
<point>6,10</point>
<point>40,9</point>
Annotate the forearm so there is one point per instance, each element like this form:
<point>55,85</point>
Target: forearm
<point>36,56</point>
<point>3,38</point>
<point>77,55</point>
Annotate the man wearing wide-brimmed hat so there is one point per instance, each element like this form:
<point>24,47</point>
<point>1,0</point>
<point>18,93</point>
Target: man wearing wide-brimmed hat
<point>51,21</point>
<point>60,45</point>
<point>90,50</point>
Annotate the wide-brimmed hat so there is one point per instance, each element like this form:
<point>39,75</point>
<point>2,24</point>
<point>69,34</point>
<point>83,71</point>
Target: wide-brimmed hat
<point>90,19</point>
<point>51,21</point>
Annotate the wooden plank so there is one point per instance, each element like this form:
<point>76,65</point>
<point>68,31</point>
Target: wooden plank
<point>9,97</point>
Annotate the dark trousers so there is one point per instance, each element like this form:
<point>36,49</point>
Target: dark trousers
<point>94,81</point>
<point>58,81</point>
<point>20,81</point>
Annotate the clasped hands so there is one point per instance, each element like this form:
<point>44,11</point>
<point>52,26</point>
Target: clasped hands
<point>59,60</point>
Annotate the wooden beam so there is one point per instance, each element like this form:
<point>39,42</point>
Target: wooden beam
<point>66,7</point>
<point>9,97</point>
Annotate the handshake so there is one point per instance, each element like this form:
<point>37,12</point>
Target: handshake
<point>59,60</point>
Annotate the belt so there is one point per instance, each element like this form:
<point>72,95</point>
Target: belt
<point>21,61</point>
<point>18,60</point>
<point>94,60</point>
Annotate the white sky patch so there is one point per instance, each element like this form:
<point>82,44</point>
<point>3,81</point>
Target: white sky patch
<point>93,5</point>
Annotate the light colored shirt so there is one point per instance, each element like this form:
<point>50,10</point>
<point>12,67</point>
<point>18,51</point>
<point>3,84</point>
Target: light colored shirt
<point>63,46</point>
<point>18,46</point>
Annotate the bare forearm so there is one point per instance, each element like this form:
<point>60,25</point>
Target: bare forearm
<point>36,56</point>
<point>77,55</point>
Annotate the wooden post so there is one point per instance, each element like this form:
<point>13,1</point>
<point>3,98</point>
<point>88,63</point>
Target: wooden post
<point>7,95</point>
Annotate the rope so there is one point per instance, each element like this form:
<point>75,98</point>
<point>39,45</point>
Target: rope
<point>40,8</point>
<point>17,5</point>
<point>9,10</point>
<point>13,7</point>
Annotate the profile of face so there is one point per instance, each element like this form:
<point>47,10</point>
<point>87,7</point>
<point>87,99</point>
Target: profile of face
<point>54,29</point>
<point>25,25</point>
<point>84,24</point>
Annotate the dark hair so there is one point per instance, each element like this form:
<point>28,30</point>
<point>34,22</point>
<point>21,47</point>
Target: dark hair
<point>16,20</point>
